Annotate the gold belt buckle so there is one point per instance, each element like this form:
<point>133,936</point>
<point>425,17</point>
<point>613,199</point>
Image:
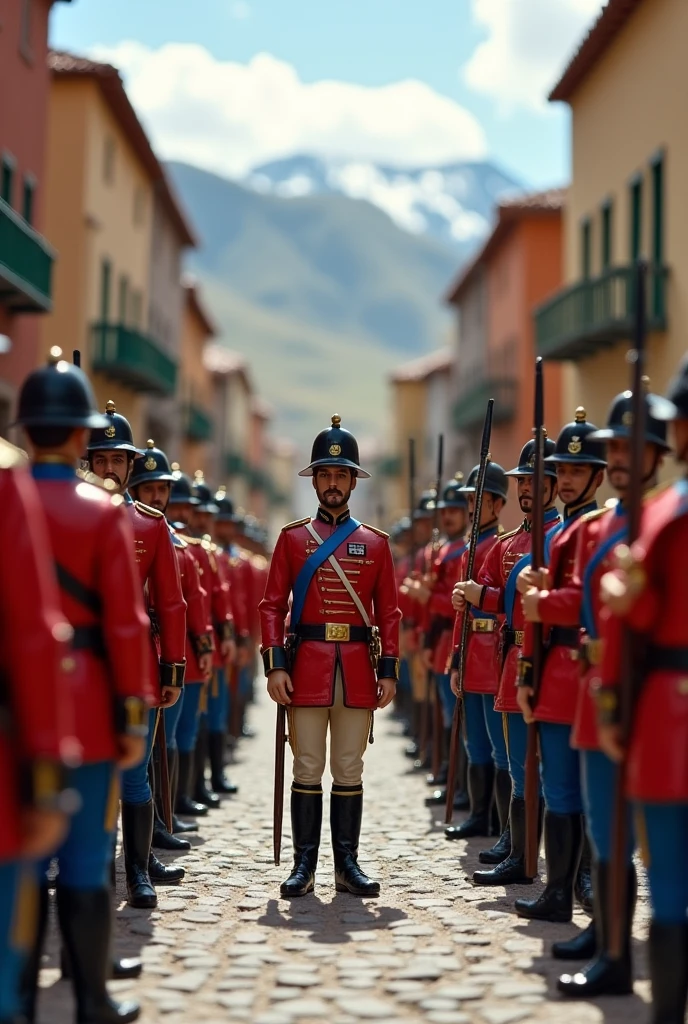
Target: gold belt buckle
<point>337,632</point>
<point>483,625</point>
<point>518,637</point>
<point>593,652</point>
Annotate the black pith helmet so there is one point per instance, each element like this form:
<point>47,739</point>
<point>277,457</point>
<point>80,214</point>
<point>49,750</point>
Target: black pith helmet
<point>399,528</point>
<point>182,488</point>
<point>225,505</point>
<point>335,446</point>
<point>677,392</point>
<point>620,419</point>
<point>496,482</point>
<point>116,434</point>
<point>575,443</point>
<point>58,395</point>
<point>453,494</point>
<point>427,502</point>
<point>526,460</point>
<point>151,467</point>
<point>204,494</point>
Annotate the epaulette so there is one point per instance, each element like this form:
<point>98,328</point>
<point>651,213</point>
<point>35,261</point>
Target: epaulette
<point>10,456</point>
<point>596,513</point>
<point>259,562</point>
<point>192,540</point>
<point>148,511</point>
<point>380,533</point>
<point>299,522</point>
<point>178,541</point>
<point>511,533</point>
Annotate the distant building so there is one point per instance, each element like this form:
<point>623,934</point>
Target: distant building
<point>196,389</point>
<point>231,410</point>
<point>519,265</point>
<point>626,87</point>
<point>26,257</point>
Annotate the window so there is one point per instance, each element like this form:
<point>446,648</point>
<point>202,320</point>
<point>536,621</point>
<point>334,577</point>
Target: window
<point>7,178</point>
<point>109,151</point>
<point>28,198</point>
<point>607,229</point>
<point>139,206</point>
<point>25,31</point>
<point>586,248</point>
<point>123,299</point>
<point>105,278</point>
<point>136,306</point>
<point>636,233</point>
<point>658,210</point>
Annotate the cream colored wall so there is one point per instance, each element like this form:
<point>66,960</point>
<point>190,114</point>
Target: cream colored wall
<point>629,108</point>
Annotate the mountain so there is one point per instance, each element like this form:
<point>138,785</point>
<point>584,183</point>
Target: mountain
<point>452,203</point>
<point>323,293</point>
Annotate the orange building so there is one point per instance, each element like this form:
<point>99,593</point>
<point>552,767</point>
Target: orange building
<point>519,266</point>
<point>196,391</point>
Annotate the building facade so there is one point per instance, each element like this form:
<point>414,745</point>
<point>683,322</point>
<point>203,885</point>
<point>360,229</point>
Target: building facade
<point>196,388</point>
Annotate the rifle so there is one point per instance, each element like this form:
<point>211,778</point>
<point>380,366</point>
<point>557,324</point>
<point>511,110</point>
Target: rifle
<point>430,683</point>
<point>630,653</point>
<point>76,357</point>
<point>532,786</point>
<point>165,792</point>
<point>465,622</point>
<point>278,805</point>
<point>412,503</point>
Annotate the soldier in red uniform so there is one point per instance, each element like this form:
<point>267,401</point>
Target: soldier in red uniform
<point>580,466</point>
<point>92,547</point>
<point>597,535</point>
<point>495,593</point>
<point>35,708</point>
<point>649,597</point>
<point>111,453</point>
<point>341,661</point>
<point>488,763</point>
<point>414,616</point>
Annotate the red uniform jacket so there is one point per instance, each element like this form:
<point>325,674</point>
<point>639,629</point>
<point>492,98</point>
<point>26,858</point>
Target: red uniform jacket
<point>159,575</point>
<point>259,575</point>
<point>199,630</point>
<point>657,766</point>
<point>237,569</point>
<point>36,707</point>
<point>218,589</point>
<point>366,559</point>
<point>438,637</point>
<point>100,596</point>
<point>481,674</point>
<point>559,610</point>
<point>500,595</point>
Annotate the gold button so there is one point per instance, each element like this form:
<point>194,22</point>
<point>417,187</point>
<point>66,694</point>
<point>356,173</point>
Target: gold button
<point>68,664</point>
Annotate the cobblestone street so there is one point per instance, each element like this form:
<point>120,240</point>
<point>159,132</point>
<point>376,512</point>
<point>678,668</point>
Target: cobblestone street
<point>223,945</point>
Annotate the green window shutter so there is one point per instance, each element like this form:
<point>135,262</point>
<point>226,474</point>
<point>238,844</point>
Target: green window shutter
<point>28,198</point>
<point>636,233</point>
<point>586,249</point>
<point>123,300</point>
<point>658,210</point>
<point>105,278</point>
<point>7,179</point>
<point>607,229</point>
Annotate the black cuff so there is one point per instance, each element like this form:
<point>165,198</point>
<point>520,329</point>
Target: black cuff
<point>455,659</point>
<point>607,701</point>
<point>43,783</point>
<point>172,673</point>
<point>225,631</point>
<point>131,716</point>
<point>202,644</point>
<point>482,597</point>
<point>388,668</point>
<point>274,658</point>
<point>524,674</point>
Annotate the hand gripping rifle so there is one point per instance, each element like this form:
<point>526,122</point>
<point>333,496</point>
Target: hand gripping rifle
<point>465,622</point>
<point>631,655</point>
<point>532,787</point>
<point>430,688</point>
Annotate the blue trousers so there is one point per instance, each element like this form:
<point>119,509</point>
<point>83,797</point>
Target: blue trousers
<point>172,716</point>
<point>446,698</point>
<point>663,833</point>
<point>517,748</point>
<point>478,745</point>
<point>84,857</point>
<point>560,770</point>
<point>598,776</point>
<point>495,728</point>
<point>135,785</point>
<point>187,727</point>
<point>218,702</point>
<point>404,676</point>
<point>17,930</point>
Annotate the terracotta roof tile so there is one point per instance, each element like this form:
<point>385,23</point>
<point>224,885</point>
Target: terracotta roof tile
<point>419,369</point>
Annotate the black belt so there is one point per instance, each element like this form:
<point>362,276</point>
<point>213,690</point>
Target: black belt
<point>671,659</point>
<point>89,638</point>
<point>513,636</point>
<point>563,636</point>
<point>357,634</point>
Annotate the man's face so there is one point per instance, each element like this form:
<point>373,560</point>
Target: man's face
<point>113,464</point>
<point>525,492</point>
<point>619,463</point>
<point>489,510</point>
<point>224,532</point>
<point>333,485</point>
<point>575,480</point>
<point>155,493</point>
<point>453,521</point>
<point>201,522</point>
<point>423,530</point>
<point>179,512</point>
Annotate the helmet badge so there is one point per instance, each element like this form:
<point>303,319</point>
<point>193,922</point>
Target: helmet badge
<point>627,418</point>
<point>110,431</point>
<point>531,461</point>
<point>575,445</point>
<point>150,464</point>
<point>335,449</point>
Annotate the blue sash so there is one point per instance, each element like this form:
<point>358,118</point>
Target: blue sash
<point>453,555</point>
<point>587,613</point>
<point>313,563</point>
<point>510,588</point>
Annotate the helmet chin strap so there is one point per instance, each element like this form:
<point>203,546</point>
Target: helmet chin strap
<point>586,494</point>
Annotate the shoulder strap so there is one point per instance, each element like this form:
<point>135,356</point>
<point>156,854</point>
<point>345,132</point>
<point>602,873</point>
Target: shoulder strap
<point>342,575</point>
<point>314,561</point>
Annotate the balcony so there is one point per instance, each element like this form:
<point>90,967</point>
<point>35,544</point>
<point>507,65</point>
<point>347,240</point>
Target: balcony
<point>197,425</point>
<point>597,313</point>
<point>495,380</point>
<point>26,263</point>
<point>133,359</point>
<point>235,464</point>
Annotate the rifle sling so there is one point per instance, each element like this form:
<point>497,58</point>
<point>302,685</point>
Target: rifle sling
<point>78,591</point>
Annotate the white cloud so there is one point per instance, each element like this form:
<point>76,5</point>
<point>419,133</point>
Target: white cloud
<point>227,117</point>
<point>528,45</point>
<point>240,10</point>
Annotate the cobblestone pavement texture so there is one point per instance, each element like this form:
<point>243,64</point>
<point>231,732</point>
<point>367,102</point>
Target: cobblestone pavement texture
<point>223,946</point>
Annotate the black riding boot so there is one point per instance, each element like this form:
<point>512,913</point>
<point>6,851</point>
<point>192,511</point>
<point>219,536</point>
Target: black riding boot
<point>581,947</point>
<point>604,976</point>
<point>512,870</point>
<point>201,792</point>
<point>346,813</point>
<point>29,979</point>
<point>563,838</point>
<point>185,804</point>
<point>582,889</point>
<point>413,747</point>
<point>162,839</point>
<point>668,957</point>
<point>160,874</point>
<point>502,793</point>
<point>178,826</point>
<point>306,824</point>
<point>85,923</point>
<point>480,782</point>
<point>137,835</point>
<point>216,751</point>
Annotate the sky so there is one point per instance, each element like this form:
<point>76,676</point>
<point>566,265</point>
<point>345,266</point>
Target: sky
<point>228,84</point>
